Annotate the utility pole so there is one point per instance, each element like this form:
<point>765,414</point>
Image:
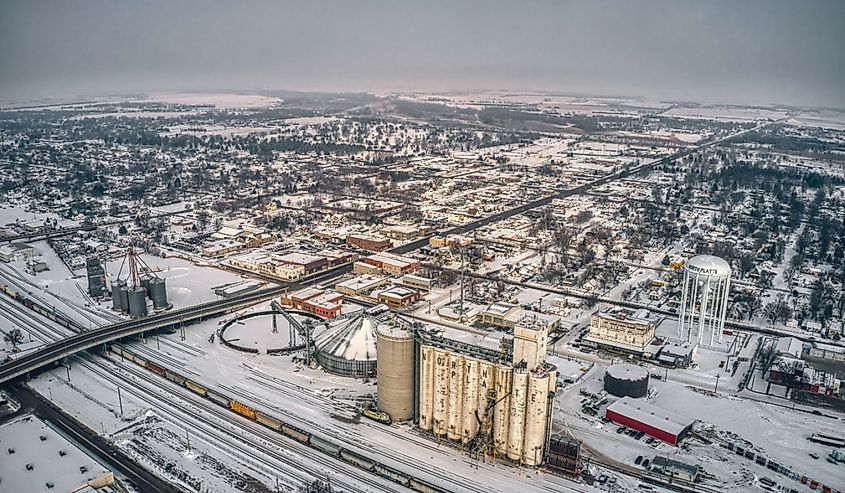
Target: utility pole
<point>717,382</point>
<point>67,367</point>
<point>120,401</point>
<point>188,437</point>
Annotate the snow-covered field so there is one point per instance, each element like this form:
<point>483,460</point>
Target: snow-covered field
<point>219,100</point>
<point>725,113</point>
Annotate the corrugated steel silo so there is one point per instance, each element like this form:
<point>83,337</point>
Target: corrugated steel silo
<point>137,302</point>
<point>157,290</point>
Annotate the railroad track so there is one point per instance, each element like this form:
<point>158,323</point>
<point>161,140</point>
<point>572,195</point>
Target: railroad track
<point>253,443</point>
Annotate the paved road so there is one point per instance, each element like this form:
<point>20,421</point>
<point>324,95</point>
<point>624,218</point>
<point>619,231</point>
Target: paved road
<point>106,452</point>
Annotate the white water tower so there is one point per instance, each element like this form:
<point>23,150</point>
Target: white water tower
<point>704,298</point>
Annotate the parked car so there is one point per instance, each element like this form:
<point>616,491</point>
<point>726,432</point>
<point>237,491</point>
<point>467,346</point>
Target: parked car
<point>639,460</point>
<point>620,430</point>
<point>814,455</point>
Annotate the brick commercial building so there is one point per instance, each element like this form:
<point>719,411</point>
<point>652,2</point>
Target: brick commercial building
<point>326,304</point>
<point>369,242</point>
<point>393,264</point>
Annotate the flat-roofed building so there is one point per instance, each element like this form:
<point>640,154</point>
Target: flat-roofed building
<point>393,264</point>
<point>416,282</point>
<point>15,251</point>
<point>359,285</point>
<point>365,268</point>
<point>326,304</point>
<point>373,243</point>
<point>398,296</point>
<point>623,328</point>
<point>497,314</point>
<point>338,257</point>
<point>651,420</point>
<point>401,232</point>
<point>310,263</point>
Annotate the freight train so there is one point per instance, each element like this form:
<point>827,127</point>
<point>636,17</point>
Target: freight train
<point>35,306</point>
<point>324,445</point>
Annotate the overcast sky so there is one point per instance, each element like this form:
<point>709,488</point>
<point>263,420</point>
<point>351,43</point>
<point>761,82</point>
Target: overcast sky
<point>755,51</point>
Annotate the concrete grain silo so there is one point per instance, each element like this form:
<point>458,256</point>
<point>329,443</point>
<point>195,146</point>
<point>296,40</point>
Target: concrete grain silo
<point>395,370</point>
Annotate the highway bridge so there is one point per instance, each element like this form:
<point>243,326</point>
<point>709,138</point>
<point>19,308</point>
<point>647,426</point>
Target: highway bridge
<point>58,350</point>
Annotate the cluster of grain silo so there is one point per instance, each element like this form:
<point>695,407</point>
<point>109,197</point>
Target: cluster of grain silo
<point>457,389</point>
<point>129,294</point>
<point>475,395</point>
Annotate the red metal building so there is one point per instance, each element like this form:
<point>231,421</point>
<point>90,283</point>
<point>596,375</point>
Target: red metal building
<point>653,421</point>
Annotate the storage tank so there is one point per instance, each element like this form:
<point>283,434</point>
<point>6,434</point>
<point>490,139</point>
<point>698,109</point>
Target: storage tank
<point>157,291</point>
<point>118,296</point>
<point>536,417</point>
<point>626,380</point>
<point>348,346</point>
<point>454,427</point>
<point>145,283</point>
<point>137,302</point>
<point>395,356</point>
<point>501,411</point>
<point>426,388</point>
<point>469,427</point>
<point>516,426</point>
<point>441,392</point>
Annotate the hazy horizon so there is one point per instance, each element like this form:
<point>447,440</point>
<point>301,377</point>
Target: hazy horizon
<point>753,52</point>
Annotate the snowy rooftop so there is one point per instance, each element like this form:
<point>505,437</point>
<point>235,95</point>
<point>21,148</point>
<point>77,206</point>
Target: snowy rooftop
<point>53,460</point>
<point>645,413</point>
<point>627,371</point>
<point>352,338</point>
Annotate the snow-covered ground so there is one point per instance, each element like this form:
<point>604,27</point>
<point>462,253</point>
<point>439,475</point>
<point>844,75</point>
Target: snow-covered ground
<point>777,432</point>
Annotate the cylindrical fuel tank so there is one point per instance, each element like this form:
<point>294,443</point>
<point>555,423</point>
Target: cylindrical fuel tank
<point>395,354</point>
<point>486,381</point>
<point>116,298</point>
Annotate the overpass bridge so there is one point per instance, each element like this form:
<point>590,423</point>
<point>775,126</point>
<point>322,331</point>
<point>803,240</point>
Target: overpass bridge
<point>68,346</point>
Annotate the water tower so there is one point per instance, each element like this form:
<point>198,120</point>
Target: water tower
<point>704,298</point>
